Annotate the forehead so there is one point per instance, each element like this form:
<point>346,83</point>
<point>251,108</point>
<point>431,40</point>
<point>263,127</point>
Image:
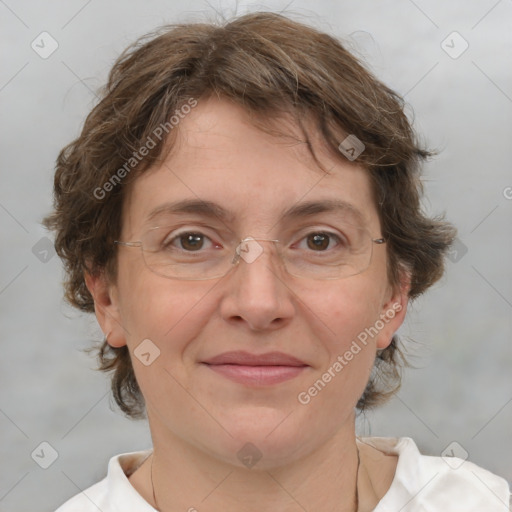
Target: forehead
<point>221,164</point>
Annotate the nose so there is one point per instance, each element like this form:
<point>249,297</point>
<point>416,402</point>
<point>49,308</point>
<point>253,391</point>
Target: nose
<point>256,293</point>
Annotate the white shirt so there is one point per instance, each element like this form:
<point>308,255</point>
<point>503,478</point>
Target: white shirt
<point>421,483</point>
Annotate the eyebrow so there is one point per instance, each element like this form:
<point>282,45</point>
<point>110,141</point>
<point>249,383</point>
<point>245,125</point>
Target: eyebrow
<point>213,210</point>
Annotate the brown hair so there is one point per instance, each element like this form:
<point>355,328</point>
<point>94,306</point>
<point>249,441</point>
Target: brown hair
<point>270,65</point>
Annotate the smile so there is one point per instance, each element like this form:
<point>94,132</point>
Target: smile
<point>256,369</point>
<point>257,375</point>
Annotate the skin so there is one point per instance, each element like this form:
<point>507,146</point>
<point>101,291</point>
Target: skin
<point>200,420</point>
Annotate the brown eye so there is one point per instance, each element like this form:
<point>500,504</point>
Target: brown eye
<point>183,242</point>
<point>191,241</point>
<point>318,241</point>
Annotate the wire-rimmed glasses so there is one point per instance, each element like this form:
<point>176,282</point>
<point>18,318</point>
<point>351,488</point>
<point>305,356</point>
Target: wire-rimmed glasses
<point>182,254</point>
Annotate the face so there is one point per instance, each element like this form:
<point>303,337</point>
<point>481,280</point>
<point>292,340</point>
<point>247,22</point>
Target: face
<point>257,307</point>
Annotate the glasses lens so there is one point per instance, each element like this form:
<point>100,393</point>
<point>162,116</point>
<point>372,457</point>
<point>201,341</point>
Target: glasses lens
<point>184,255</point>
<point>329,255</point>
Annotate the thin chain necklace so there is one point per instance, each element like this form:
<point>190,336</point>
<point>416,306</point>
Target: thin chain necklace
<point>157,508</point>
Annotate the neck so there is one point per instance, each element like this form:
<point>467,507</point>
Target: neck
<point>184,478</point>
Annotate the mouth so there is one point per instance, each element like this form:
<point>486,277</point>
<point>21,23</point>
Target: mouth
<point>256,370</point>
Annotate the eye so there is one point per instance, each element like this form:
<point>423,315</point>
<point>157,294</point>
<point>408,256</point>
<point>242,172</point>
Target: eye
<point>190,241</point>
<point>320,241</point>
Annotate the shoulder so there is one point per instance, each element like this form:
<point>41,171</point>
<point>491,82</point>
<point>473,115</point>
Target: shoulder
<point>114,492</point>
<point>424,483</point>
<point>91,499</point>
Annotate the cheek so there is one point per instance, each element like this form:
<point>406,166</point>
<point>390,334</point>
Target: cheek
<point>168,312</point>
<point>344,313</point>
<point>347,307</point>
<point>171,314</point>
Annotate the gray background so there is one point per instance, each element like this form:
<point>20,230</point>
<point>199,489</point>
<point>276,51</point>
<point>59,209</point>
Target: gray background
<point>459,333</point>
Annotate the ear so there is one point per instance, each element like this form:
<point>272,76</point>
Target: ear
<point>106,307</point>
<point>393,311</point>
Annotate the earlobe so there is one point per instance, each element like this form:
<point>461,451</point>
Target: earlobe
<point>106,308</point>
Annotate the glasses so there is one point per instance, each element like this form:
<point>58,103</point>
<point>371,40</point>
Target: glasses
<point>194,255</point>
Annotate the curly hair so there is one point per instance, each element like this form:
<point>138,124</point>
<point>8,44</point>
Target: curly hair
<point>270,65</point>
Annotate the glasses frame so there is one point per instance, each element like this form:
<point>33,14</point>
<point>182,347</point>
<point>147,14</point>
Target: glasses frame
<point>237,257</point>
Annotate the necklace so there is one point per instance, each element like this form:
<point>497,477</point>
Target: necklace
<point>356,493</point>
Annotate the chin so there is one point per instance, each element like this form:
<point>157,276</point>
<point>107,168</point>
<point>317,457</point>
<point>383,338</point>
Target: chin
<point>263,441</point>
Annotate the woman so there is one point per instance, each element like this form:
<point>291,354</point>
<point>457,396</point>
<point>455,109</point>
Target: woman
<point>241,212</point>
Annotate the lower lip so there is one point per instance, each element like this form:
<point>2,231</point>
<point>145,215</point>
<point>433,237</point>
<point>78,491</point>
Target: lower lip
<point>257,375</point>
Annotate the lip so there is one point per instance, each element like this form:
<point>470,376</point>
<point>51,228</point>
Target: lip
<point>256,369</point>
<point>242,358</point>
